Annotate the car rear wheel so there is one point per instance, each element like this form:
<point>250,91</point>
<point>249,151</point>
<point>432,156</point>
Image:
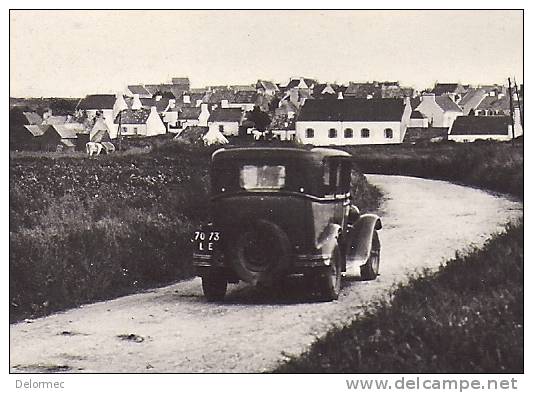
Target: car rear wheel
<point>329,283</point>
<point>214,287</point>
<point>370,270</point>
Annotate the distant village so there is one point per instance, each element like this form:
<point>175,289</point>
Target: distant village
<point>303,110</point>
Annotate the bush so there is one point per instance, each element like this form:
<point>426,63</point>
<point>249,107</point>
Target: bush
<point>495,166</point>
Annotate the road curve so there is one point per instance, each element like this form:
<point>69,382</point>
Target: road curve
<point>173,329</point>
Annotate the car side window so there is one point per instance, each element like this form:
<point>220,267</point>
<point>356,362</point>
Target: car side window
<point>332,176</point>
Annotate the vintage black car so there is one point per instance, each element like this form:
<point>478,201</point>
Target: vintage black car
<point>278,212</point>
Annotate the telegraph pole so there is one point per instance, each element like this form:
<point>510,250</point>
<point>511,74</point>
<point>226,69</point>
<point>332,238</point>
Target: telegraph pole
<point>512,107</point>
<point>519,106</point>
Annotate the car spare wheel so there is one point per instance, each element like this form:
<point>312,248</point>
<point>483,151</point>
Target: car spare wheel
<point>259,250</point>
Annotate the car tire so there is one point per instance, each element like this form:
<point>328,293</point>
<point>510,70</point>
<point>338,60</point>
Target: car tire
<point>277,251</point>
<point>214,287</point>
<point>370,270</point>
<point>329,283</point>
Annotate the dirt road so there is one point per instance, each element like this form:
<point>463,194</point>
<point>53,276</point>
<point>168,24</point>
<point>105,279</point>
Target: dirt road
<point>173,329</point>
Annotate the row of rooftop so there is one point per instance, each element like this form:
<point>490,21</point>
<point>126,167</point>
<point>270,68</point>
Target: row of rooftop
<point>303,109</point>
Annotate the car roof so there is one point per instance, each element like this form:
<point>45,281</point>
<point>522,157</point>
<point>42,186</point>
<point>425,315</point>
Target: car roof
<point>315,154</point>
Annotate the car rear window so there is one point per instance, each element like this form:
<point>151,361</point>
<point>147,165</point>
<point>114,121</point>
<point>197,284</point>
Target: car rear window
<point>262,177</point>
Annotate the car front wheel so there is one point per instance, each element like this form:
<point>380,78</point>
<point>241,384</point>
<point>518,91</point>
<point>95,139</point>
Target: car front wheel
<point>370,270</point>
<point>214,287</point>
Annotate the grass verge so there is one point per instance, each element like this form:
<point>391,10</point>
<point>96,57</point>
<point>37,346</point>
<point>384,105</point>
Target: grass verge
<point>468,317</point>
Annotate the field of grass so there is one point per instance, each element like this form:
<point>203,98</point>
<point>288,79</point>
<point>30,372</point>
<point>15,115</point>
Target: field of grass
<point>466,318</point>
<point>490,165</point>
<point>84,229</point>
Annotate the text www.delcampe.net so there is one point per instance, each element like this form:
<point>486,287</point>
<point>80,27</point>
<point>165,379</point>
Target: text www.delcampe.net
<point>417,383</point>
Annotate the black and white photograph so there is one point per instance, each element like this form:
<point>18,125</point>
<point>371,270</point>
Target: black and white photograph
<point>275,191</point>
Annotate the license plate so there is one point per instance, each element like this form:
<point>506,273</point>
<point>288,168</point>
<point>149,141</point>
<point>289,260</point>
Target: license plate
<point>206,240</point>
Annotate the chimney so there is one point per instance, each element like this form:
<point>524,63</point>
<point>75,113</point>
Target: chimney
<point>294,95</point>
<point>136,104</point>
<point>204,116</point>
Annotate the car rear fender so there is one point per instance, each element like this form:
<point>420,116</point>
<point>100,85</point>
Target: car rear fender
<point>327,241</point>
<point>359,239</point>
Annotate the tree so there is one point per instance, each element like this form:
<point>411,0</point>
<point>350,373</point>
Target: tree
<point>260,119</point>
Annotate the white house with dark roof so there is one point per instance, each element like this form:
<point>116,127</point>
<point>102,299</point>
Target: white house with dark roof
<point>472,128</point>
<point>226,120</point>
<point>140,122</point>
<point>441,111</point>
<point>353,121</point>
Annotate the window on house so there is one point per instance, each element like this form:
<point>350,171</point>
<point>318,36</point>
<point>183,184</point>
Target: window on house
<point>348,133</point>
<point>309,133</point>
<point>221,128</point>
<point>365,133</point>
<point>135,130</point>
<point>388,133</point>
<point>332,133</point>
<point>125,129</point>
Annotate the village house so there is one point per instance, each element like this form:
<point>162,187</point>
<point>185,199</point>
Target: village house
<point>32,118</point>
<point>190,116</point>
<point>24,128</point>
<point>441,111</point>
<point>267,88</point>
<point>106,106</point>
<point>471,100</point>
<point>226,120</point>
<point>353,121</point>
<point>61,137</point>
<point>244,100</point>
<point>455,91</point>
<point>362,90</point>
<point>140,122</point>
<point>472,128</point>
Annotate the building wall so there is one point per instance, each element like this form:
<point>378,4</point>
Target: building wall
<point>245,107</point>
<point>230,128</point>
<point>473,138</point>
<point>133,129</point>
<point>284,135</point>
<point>154,124</point>
<point>415,123</point>
<point>321,129</point>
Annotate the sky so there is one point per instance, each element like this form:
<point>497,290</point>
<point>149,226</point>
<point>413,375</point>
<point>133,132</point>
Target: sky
<point>74,53</point>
